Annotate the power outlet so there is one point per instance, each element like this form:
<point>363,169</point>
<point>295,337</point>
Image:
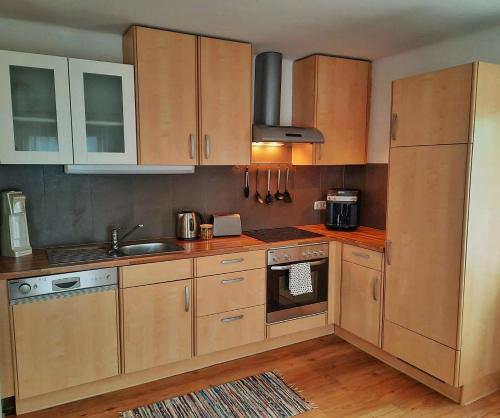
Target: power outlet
<point>320,205</point>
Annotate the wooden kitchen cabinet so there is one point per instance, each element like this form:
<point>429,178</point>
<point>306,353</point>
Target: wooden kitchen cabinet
<point>361,301</point>
<point>332,95</point>
<point>425,224</point>
<point>35,116</point>
<point>166,94</point>
<point>433,108</point>
<point>442,265</point>
<point>225,99</point>
<point>185,82</point>
<point>157,324</point>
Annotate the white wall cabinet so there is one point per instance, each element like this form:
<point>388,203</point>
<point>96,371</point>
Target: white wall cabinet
<point>44,121</point>
<point>102,112</point>
<point>35,117</point>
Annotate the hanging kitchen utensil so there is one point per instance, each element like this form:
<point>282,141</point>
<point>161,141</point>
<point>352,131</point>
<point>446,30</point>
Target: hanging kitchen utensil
<point>258,196</point>
<point>246,188</point>
<point>286,196</point>
<point>278,195</point>
<point>269,196</point>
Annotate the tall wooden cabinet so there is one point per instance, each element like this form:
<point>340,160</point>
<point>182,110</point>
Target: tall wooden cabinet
<point>332,95</point>
<point>225,82</point>
<point>443,271</point>
<point>193,97</point>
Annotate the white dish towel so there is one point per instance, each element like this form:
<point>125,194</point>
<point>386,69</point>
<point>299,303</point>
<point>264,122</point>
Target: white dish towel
<point>300,279</point>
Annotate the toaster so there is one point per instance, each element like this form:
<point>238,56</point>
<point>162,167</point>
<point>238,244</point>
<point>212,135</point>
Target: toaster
<point>227,224</point>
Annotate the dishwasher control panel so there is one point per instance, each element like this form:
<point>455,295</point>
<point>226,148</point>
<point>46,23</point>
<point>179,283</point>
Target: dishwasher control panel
<point>57,283</point>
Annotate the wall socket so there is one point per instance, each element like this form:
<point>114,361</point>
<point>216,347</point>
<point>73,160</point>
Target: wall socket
<point>320,205</point>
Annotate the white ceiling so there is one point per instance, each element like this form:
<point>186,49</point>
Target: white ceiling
<point>357,28</point>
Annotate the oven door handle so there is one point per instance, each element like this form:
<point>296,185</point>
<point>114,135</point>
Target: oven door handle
<point>312,264</point>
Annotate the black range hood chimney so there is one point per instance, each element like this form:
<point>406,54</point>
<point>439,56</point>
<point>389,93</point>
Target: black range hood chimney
<point>267,98</point>
<point>267,95</point>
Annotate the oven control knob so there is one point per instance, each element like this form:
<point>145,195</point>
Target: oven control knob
<point>24,288</point>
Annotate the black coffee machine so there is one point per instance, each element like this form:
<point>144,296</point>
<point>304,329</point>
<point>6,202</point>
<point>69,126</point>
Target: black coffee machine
<point>342,209</point>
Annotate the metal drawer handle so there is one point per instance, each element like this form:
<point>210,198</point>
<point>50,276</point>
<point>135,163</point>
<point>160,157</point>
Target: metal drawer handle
<point>207,147</point>
<point>312,264</point>
<point>374,288</point>
<point>232,319</point>
<point>394,124</point>
<point>388,252</point>
<point>233,261</point>
<point>192,147</point>
<point>362,255</point>
<point>231,281</point>
<point>187,303</point>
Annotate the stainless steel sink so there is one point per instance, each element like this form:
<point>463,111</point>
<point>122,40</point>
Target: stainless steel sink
<point>148,248</point>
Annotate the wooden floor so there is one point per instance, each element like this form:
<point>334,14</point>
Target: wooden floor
<point>342,380</point>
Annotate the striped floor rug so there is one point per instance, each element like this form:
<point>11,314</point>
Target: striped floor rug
<point>263,395</point>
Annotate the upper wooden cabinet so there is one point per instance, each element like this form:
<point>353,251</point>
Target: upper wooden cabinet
<point>184,82</point>
<point>433,108</point>
<point>225,69</point>
<point>331,94</point>
<point>166,94</point>
<point>441,291</point>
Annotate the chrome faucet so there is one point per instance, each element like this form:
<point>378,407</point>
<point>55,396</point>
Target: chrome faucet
<point>115,240</point>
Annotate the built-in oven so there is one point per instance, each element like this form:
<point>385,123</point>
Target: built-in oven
<point>281,304</point>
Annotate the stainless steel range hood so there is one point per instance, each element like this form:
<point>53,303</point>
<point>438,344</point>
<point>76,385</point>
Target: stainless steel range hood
<point>267,98</point>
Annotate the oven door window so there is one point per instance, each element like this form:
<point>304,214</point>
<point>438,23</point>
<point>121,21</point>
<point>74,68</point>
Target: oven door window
<point>278,292</point>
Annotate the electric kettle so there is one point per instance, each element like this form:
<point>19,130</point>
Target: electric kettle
<point>188,225</point>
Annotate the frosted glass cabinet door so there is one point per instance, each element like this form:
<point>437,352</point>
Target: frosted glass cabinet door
<point>102,112</point>
<point>35,120</point>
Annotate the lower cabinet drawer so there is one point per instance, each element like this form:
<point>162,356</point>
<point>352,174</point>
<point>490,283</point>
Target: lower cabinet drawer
<point>226,292</point>
<point>229,329</point>
<point>428,355</point>
<point>227,263</point>
<point>296,325</point>
<point>362,256</point>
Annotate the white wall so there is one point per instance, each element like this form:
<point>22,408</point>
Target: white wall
<point>41,38</point>
<point>483,46</point>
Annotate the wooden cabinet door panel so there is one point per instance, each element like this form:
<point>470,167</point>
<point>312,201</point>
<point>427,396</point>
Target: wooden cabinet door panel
<point>432,108</point>
<point>157,324</point>
<point>60,343</point>
<point>342,98</point>
<point>361,293</point>
<point>424,232</point>
<point>225,76</point>
<point>166,95</point>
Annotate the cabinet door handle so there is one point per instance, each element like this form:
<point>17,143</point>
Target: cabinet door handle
<point>232,281</point>
<point>192,145</point>
<point>233,261</point>
<point>207,147</point>
<point>362,255</point>
<point>187,301</point>
<point>320,151</point>
<point>394,124</point>
<point>374,288</point>
<point>232,319</point>
<point>388,252</point>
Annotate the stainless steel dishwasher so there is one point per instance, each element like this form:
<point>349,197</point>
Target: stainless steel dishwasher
<point>65,329</point>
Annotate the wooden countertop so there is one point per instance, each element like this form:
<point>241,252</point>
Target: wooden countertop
<point>37,263</point>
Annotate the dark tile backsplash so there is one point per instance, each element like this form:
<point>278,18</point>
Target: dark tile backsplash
<point>74,209</point>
